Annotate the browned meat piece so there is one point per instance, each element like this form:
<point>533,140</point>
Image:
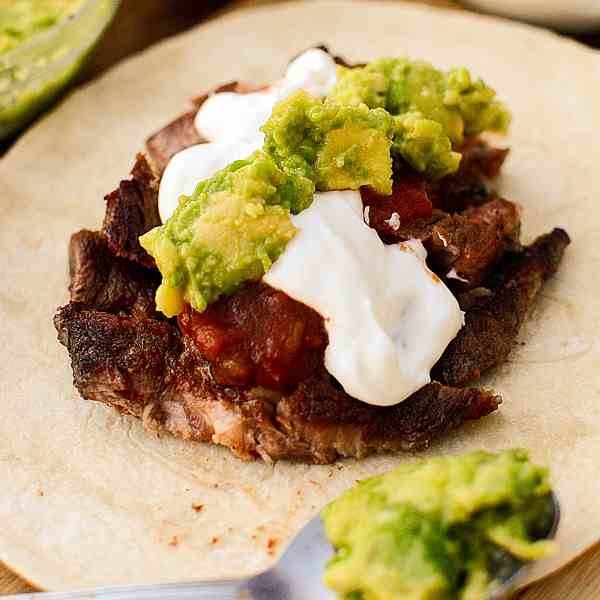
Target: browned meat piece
<point>181,133</point>
<point>492,325</point>
<point>171,139</point>
<point>332,424</point>
<point>103,281</point>
<point>463,248</point>
<point>467,187</point>
<point>258,336</point>
<point>132,210</point>
<point>406,207</point>
<point>144,367</point>
<point>118,360</point>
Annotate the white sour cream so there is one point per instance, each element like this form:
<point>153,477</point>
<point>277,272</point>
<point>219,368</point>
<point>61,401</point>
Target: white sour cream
<point>388,317</point>
<point>231,122</point>
<point>190,166</point>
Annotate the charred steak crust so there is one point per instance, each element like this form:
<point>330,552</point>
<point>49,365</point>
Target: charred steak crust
<point>132,210</point>
<point>492,326</point>
<point>334,424</point>
<point>106,282</point>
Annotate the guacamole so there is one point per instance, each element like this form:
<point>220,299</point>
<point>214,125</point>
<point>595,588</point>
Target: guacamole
<point>237,222</point>
<point>460,104</point>
<point>229,231</point>
<point>347,146</point>
<point>43,45</point>
<point>20,20</point>
<point>436,528</point>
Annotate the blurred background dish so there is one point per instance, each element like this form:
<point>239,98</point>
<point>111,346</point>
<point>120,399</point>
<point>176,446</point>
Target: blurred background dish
<point>41,53</point>
<point>575,16</point>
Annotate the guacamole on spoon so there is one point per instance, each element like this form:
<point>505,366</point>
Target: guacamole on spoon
<point>437,528</point>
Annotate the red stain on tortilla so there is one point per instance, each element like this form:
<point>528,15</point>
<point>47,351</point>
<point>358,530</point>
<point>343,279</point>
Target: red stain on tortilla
<point>174,541</point>
<point>253,536</point>
<point>214,541</point>
<point>435,278</point>
<point>32,244</point>
<point>198,507</point>
<point>271,544</point>
<point>313,482</point>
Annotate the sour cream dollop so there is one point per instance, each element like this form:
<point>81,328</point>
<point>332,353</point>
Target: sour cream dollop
<point>388,317</point>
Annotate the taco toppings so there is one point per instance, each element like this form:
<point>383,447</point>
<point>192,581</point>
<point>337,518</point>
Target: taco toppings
<point>290,265</point>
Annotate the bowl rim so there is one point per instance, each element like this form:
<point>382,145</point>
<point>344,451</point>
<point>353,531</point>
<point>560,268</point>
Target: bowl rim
<point>54,31</point>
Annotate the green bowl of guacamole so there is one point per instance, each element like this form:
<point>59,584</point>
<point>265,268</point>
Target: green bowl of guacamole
<point>43,45</point>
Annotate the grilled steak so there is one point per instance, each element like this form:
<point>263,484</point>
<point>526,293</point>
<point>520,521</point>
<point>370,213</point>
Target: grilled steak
<point>146,368</point>
<point>461,247</point>
<point>491,326</point>
<point>248,373</point>
<point>468,186</point>
<point>132,210</point>
<point>103,281</point>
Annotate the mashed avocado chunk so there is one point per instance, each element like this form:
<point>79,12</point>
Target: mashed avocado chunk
<point>462,105</point>
<point>436,528</point>
<point>346,146</point>
<point>20,20</point>
<point>237,222</point>
<point>229,231</point>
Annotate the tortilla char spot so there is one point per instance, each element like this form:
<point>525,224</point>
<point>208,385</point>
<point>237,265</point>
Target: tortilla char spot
<point>271,544</point>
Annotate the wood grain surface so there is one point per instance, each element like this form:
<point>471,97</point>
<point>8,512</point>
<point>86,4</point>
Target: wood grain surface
<point>139,24</point>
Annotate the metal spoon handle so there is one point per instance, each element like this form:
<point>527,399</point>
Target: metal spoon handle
<point>217,590</point>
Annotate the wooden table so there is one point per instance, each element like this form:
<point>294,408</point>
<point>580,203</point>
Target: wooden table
<point>139,24</point>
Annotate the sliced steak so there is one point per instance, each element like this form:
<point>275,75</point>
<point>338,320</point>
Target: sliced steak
<point>101,280</point>
<point>468,186</point>
<point>118,360</point>
<point>330,423</point>
<point>132,210</point>
<point>492,325</point>
<point>463,247</point>
<point>171,139</point>
<point>143,367</point>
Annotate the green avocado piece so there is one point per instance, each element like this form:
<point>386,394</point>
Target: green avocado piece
<point>462,105</point>
<point>430,529</point>
<point>237,222</point>
<point>336,146</point>
<point>348,146</point>
<point>229,231</point>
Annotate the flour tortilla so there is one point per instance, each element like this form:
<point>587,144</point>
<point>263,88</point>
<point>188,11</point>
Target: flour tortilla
<point>90,498</point>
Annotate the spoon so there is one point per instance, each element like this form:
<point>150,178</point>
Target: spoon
<point>296,576</point>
